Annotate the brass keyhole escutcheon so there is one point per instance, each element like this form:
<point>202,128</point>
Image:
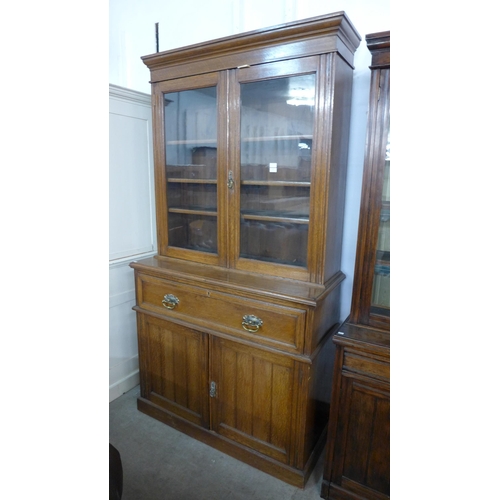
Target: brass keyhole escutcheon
<point>213,389</point>
<point>230,181</point>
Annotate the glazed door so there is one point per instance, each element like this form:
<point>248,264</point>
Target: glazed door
<point>174,365</point>
<point>274,123</point>
<point>189,168</point>
<point>253,398</point>
<point>380,301</point>
<point>241,170</point>
<point>371,292</point>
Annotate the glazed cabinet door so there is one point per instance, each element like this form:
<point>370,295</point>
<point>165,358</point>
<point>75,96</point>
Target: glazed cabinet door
<point>253,398</point>
<point>189,158</point>
<point>174,367</point>
<point>362,461</point>
<point>275,122</point>
<point>377,309</point>
<point>371,290</point>
<point>242,162</point>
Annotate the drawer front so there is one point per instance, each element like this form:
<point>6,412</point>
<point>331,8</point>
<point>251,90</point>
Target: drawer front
<point>369,366</point>
<point>281,327</point>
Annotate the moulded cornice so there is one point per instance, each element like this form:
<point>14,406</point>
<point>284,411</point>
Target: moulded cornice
<point>379,44</point>
<point>378,41</point>
<point>337,24</point>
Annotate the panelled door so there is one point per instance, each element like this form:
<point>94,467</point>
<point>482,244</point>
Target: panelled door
<point>248,395</point>
<point>174,368</point>
<point>363,436</point>
<point>253,398</point>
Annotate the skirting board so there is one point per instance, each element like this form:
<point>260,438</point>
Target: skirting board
<point>124,385</point>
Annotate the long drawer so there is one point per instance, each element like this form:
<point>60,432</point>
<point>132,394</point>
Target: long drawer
<point>262,322</point>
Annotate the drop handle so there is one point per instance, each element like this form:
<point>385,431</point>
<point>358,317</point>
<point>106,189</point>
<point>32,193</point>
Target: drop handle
<point>251,323</point>
<point>170,301</point>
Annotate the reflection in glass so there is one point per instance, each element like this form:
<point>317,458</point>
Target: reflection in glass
<point>191,168</point>
<point>276,137</point>
<point>192,196</point>
<point>280,242</point>
<point>193,231</point>
<point>275,201</point>
<point>277,128</point>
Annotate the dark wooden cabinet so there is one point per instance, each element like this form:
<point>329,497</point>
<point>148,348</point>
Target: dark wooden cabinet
<point>357,457</point>
<point>237,311</point>
<point>357,464</point>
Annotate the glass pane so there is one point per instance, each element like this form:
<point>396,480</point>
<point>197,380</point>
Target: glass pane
<point>381,280</point>
<point>278,201</point>
<point>191,168</point>
<point>196,232</point>
<point>284,243</point>
<point>277,126</point>
<point>192,196</point>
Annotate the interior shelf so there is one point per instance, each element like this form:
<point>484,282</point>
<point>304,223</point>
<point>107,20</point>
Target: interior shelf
<point>275,218</point>
<point>193,211</point>
<point>191,141</point>
<point>182,180</point>
<point>276,183</point>
<point>277,138</point>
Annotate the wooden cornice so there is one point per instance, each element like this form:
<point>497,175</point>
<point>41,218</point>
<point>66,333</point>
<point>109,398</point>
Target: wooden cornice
<point>379,44</point>
<point>328,33</point>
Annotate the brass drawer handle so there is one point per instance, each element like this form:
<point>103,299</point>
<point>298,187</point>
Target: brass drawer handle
<point>170,301</point>
<point>251,323</point>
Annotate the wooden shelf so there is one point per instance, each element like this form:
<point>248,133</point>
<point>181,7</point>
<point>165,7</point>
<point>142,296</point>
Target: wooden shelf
<point>274,218</point>
<point>191,141</point>
<point>277,183</point>
<point>180,180</point>
<point>193,211</point>
<point>276,138</point>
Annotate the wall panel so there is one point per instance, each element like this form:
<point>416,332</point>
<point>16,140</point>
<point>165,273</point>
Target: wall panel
<point>132,233</point>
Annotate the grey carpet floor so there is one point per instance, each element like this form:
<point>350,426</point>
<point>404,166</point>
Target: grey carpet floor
<point>161,463</point>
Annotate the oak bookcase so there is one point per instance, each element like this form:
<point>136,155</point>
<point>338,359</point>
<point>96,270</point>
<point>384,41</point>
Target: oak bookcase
<point>237,310</point>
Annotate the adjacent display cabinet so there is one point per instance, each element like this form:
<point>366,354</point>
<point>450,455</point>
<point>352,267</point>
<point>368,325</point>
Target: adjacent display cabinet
<point>357,461</point>
<point>237,311</point>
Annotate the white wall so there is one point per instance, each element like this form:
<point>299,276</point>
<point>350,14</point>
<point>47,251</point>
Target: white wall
<point>132,35</point>
<point>132,27</point>
<point>132,231</point>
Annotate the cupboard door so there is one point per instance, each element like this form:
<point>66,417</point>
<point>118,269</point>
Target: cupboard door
<point>253,403</point>
<point>275,120</point>
<point>362,461</point>
<point>191,210</point>
<point>174,365</point>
